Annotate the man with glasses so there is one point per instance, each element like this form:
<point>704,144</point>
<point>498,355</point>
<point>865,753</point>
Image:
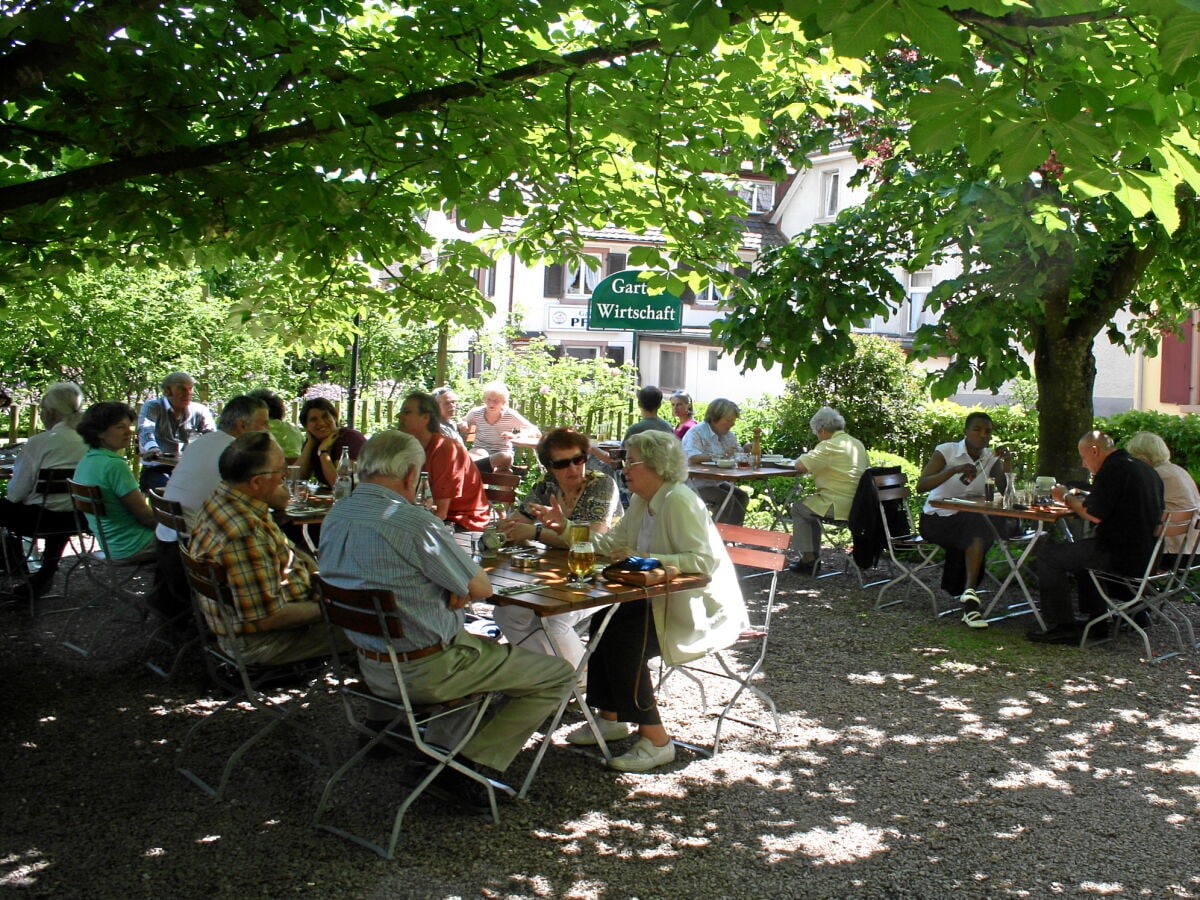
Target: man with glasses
<point>279,620</point>
<point>193,482</point>
<point>455,485</point>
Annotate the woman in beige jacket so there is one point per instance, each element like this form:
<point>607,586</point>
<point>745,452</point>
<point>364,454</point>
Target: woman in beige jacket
<point>667,521</point>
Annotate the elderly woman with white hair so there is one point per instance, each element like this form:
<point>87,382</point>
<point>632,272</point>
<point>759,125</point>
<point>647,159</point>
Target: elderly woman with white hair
<point>667,521</point>
<point>708,442</point>
<point>25,512</point>
<point>1179,489</point>
<point>836,464</point>
<point>496,424</point>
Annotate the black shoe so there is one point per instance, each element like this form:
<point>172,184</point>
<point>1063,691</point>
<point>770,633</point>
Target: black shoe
<point>1142,618</point>
<point>806,567</point>
<point>1063,633</point>
<point>456,787</point>
<point>386,748</point>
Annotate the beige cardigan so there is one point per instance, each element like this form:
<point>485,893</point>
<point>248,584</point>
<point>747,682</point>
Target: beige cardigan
<point>690,624</point>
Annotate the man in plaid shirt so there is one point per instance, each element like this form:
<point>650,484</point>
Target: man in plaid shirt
<point>279,620</point>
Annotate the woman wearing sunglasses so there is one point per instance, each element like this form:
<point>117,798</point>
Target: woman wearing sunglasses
<point>576,495</point>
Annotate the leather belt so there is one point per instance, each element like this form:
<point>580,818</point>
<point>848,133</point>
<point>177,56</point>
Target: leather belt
<point>406,657</point>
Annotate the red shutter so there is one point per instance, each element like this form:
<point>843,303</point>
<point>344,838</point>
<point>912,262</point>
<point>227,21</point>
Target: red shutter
<point>1176,378</point>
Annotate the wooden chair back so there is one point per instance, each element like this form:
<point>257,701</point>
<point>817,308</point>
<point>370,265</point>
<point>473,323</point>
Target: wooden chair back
<point>363,610</point>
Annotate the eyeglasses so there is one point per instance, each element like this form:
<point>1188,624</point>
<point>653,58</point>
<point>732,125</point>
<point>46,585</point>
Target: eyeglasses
<point>572,461</point>
<point>636,462</point>
<point>270,472</point>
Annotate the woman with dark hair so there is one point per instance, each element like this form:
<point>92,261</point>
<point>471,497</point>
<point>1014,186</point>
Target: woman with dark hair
<point>960,469</point>
<point>107,428</point>
<point>567,493</point>
<point>326,442</point>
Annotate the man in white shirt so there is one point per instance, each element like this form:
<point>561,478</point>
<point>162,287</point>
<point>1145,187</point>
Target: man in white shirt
<point>193,482</point>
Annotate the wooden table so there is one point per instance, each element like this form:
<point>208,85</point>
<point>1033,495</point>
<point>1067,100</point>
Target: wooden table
<point>735,475</point>
<point>544,590</point>
<point>304,516</point>
<point>1040,516</point>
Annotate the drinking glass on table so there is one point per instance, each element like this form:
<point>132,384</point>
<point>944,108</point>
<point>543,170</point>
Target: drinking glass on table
<point>580,560</point>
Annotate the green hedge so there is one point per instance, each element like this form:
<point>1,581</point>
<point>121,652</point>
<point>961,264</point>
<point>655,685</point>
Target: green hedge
<point>1182,433</point>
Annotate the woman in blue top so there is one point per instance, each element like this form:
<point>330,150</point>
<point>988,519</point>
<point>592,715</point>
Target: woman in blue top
<point>107,429</point>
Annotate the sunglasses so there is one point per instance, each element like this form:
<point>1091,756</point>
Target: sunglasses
<point>572,461</point>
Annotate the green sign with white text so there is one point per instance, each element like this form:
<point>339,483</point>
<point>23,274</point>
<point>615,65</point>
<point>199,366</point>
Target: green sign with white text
<point>623,302</point>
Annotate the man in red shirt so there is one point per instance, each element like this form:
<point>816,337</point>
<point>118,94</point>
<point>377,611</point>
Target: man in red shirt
<point>455,485</point>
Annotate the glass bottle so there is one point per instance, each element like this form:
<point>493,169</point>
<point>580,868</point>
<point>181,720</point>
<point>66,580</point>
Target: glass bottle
<point>345,477</point>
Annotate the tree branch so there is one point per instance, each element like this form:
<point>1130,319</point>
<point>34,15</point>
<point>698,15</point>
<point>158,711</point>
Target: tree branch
<point>1020,20</point>
<point>182,159</point>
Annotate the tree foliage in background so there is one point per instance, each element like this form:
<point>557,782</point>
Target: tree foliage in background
<point>554,390</point>
<point>314,138</point>
<point>119,332</point>
<point>1018,170</point>
<point>877,390</point>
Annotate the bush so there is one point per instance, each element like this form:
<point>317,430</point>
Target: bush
<point>942,420</point>
<point>1182,433</point>
<point>878,391</point>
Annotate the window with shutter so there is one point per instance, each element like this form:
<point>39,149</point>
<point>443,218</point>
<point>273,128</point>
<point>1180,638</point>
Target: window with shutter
<point>1178,370</point>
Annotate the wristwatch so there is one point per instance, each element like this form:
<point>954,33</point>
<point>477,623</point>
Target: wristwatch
<point>537,531</point>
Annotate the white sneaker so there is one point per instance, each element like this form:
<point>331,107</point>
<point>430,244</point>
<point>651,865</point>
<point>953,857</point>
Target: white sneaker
<point>611,731</point>
<point>643,756</point>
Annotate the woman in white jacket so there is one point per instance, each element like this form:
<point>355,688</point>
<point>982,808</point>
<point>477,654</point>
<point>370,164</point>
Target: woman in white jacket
<point>666,520</point>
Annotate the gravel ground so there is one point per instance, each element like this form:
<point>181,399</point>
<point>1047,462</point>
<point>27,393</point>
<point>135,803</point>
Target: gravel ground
<point>916,758</point>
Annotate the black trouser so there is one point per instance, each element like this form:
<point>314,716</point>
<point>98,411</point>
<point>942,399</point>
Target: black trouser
<point>153,477</point>
<point>172,596</point>
<point>55,529</point>
<point>618,679</point>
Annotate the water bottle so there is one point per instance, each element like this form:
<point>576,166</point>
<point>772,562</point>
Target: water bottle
<point>345,477</point>
<point>423,489</point>
<point>1010,492</point>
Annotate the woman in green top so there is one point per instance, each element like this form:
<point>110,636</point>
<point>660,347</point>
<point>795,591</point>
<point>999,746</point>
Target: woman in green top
<point>107,428</point>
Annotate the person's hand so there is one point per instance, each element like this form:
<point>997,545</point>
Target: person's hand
<point>152,453</point>
<point>965,468</point>
<point>1059,492</point>
<point>329,441</point>
<point>1002,452</point>
<point>457,601</point>
<point>516,530</point>
<point>551,516</point>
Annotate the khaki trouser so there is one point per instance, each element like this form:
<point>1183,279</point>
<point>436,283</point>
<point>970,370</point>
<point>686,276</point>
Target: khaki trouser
<point>534,685</point>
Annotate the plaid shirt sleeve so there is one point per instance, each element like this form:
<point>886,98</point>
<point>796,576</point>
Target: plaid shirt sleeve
<point>259,562</point>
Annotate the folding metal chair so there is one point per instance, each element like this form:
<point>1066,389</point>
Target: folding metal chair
<point>116,578</point>
<point>373,613</point>
<point>245,685</point>
<point>907,552</point>
<point>50,482</point>
<point>765,551</point>
<point>1153,591</point>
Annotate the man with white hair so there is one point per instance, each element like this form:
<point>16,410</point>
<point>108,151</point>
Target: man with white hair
<point>378,538</point>
<point>1125,504</point>
<point>836,464</point>
<point>164,426</point>
<point>21,511</point>
<point>194,480</point>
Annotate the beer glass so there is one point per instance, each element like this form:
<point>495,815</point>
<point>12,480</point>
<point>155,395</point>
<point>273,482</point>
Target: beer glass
<point>580,560</point>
